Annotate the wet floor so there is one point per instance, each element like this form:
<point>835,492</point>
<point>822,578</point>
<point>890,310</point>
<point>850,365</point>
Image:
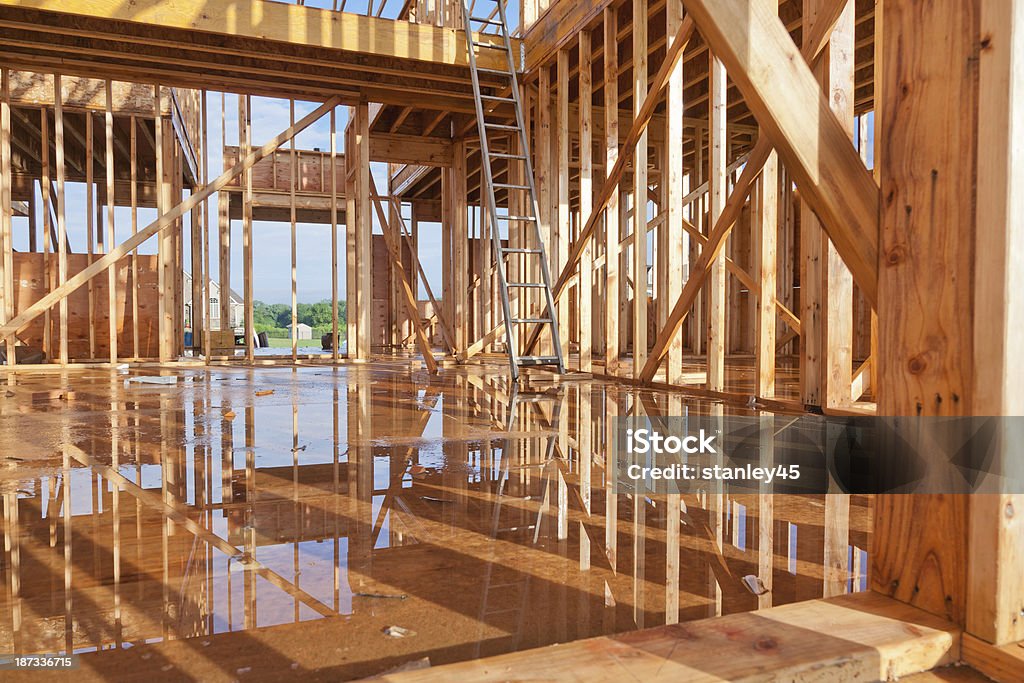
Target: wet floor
<point>332,523</point>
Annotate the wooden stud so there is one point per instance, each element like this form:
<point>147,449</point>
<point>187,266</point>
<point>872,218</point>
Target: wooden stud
<point>165,242</point>
<point>587,299</point>
<point>292,182</point>
<point>460,246</point>
<point>244,147</point>
<point>640,95</point>
<point>996,549</point>
<point>717,183</point>
<point>560,227</point>
<point>109,242</point>
<point>335,343</point>
<point>6,212</point>
<point>676,242</point>
<point>48,237</point>
<point>134,265</point>
<point>62,229</point>
<point>93,212</point>
<point>542,171</point>
<point>204,160</point>
<point>364,235</point>
<point>766,230</point>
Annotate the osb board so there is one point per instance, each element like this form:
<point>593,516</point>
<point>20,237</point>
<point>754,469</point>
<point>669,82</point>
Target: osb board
<point>859,637</point>
<point>29,276</point>
<point>36,89</point>
<point>275,172</point>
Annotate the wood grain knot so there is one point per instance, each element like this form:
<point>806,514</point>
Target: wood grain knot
<point>766,645</point>
<point>895,255</point>
<point>917,364</point>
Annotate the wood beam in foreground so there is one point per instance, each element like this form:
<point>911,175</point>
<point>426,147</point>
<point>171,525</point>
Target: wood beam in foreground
<point>863,636</point>
<point>163,222</point>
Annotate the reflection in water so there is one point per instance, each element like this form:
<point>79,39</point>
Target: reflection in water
<point>371,496</point>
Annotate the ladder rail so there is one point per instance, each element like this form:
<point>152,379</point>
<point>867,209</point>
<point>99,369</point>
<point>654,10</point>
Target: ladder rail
<point>524,144</point>
<point>489,195</point>
<point>510,337</point>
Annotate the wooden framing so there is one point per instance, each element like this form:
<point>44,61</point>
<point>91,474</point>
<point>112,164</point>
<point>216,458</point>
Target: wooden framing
<point>758,180</point>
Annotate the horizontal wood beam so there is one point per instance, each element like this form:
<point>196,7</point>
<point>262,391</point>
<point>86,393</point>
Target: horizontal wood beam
<point>410,149</point>
<point>294,24</point>
<point>253,47</point>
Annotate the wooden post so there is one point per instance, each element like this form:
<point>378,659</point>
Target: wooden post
<point>48,246</point>
<point>542,171</point>
<point>205,161</point>
<point>6,236</point>
<point>560,226</point>
<point>826,285</point>
<point>293,180</point>
<point>676,241</point>
<point>244,145</point>
<point>109,242</point>
<point>62,230</point>
<point>93,212</point>
<point>134,172</point>
<point>994,591</point>
<point>165,249</point>
<point>717,184</point>
<point>587,299</point>
<point>639,190</point>
<point>611,213</point>
<point>364,231</point>
<point>351,222</point>
<point>766,228</point>
<point>335,343</point>
<point>926,349</point>
<point>460,246</point>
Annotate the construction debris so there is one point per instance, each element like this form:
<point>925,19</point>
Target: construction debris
<point>398,632</point>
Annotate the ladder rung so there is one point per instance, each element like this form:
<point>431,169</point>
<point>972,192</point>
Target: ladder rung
<point>511,186</point>
<point>492,46</point>
<point>495,98</point>
<point>538,360</point>
<point>496,72</point>
<point>525,219</point>
<point>532,320</point>
<point>524,284</point>
<point>517,250</point>
<point>505,155</point>
<point>492,22</point>
<point>500,126</point>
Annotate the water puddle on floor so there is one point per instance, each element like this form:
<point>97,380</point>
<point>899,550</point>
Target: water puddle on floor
<point>361,518</point>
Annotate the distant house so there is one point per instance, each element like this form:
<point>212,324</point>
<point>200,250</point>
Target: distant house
<point>302,331</point>
<point>235,301</point>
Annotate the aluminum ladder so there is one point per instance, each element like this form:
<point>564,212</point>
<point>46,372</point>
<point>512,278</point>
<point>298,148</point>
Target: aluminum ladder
<point>496,21</point>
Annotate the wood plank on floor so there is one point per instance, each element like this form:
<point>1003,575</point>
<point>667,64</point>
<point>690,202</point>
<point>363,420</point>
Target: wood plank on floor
<point>860,637</point>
